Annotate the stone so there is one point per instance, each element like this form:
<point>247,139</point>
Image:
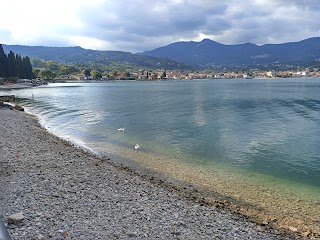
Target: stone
<point>16,218</point>
<point>132,234</point>
<point>307,234</point>
<point>8,98</point>
<point>18,107</point>
<point>293,229</point>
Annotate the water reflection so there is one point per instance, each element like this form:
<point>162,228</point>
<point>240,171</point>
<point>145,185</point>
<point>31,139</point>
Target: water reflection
<point>270,127</point>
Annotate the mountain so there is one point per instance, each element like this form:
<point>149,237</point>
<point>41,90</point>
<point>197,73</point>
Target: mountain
<point>182,55</point>
<point>208,52</point>
<point>80,55</point>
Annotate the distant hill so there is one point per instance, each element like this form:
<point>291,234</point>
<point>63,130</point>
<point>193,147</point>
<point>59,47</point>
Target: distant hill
<point>80,55</point>
<point>208,52</point>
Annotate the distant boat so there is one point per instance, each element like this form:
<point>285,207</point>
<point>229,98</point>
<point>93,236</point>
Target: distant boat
<point>121,129</point>
<point>247,76</point>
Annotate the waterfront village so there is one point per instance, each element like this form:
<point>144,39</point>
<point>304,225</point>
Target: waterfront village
<point>152,75</point>
<point>144,75</point>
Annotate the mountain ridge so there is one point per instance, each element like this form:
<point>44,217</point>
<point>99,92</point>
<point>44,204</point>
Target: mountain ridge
<point>208,52</point>
<point>185,54</point>
<point>76,54</point>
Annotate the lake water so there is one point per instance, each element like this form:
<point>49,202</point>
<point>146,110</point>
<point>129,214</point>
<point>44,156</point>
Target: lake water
<point>256,140</point>
<point>271,127</point>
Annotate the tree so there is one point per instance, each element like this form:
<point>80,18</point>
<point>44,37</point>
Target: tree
<point>14,66</point>
<point>36,72</point>
<point>164,75</point>
<point>156,75</point>
<point>47,74</point>
<point>27,68</point>
<point>4,63</point>
<point>19,68</point>
<point>52,65</point>
<point>86,72</point>
<point>63,70</point>
<point>96,74</point>
<point>115,73</point>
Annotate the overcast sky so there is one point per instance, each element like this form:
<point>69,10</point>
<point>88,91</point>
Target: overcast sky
<point>139,25</point>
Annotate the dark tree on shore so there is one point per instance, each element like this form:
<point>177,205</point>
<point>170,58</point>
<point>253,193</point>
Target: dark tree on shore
<point>27,68</point>
<point>14,65</point>
<point>19,68</point>
<point>3,63</point>
<point>164,75</point>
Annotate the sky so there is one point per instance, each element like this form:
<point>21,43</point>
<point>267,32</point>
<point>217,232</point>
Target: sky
<point>140,25</point>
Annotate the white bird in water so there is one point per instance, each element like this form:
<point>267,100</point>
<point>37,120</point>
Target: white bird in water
<point>136,147</point>
<point>121,129</point>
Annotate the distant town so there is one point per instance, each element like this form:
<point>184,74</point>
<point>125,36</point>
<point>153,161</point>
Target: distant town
<point>153,75</point>
<point>144,75</point>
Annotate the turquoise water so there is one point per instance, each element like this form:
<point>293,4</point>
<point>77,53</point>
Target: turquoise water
<point>264,126</point>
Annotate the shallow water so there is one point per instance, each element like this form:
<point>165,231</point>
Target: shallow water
<point>264,126</point>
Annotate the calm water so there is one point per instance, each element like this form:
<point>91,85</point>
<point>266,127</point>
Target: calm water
<point>266,126</point>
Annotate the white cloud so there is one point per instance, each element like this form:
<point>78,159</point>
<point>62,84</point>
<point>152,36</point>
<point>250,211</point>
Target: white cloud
<point>142,24</point>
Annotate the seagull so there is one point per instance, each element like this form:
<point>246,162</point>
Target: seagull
<point>121,129</point>
<point>136,147</point>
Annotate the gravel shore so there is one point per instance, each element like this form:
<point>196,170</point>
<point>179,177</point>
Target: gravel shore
<point>63,192</point>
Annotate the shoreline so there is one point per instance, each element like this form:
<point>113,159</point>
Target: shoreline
<point>279,207</point>
<point>64,191</point>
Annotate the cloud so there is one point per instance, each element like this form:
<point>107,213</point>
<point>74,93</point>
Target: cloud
<point>143,25</point>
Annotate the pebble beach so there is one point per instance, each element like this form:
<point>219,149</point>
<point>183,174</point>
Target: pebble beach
<point>59,191</point>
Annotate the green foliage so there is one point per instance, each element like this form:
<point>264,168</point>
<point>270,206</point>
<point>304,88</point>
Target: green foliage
<point>115,73</point>
<point>47,74</point>
<point>86,72</point>
<point>42,64</point>
<point>108,59</point>
<point>36,72</point>
<point>67,69</point>
<point>96,74</point>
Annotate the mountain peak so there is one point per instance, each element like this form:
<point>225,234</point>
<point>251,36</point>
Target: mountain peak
<point>208,52</point>
<point>206,40</point>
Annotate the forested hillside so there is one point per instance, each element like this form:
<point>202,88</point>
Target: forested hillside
<point>69,55</point>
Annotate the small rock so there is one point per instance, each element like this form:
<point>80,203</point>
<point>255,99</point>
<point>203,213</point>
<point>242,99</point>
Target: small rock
<point>181,223</point>
<point>18,107</point>
<point>41,237</point>
<point>132,234</point>
<point>293,229</point>
<point>16,218</point>
<point>65,234</point>
<point>307,234</point>
<point>176,233</point>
